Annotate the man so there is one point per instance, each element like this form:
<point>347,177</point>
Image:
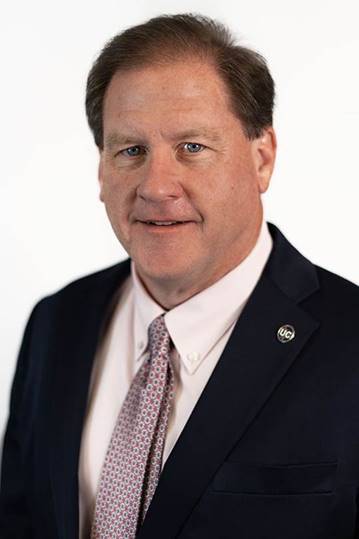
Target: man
<point>207,386</point>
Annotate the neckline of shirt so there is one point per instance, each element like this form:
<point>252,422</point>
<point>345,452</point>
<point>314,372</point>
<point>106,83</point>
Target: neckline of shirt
<point>215,308</point>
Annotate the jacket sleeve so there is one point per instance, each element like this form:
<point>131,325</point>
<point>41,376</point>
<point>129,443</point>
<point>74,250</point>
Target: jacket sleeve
<point>15,520</point>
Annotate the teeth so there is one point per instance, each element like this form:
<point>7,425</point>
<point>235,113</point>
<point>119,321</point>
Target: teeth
<point>162,223</point>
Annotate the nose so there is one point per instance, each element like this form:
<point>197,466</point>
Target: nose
<point>160,180</point>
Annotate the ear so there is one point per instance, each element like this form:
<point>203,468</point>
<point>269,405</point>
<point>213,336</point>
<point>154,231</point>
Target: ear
<point>100,176</point>
<point>264,152</point>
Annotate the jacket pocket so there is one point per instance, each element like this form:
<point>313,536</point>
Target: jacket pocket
<point>246,478</point>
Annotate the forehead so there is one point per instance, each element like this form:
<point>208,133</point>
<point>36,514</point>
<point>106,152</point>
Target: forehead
<point>175,93</point>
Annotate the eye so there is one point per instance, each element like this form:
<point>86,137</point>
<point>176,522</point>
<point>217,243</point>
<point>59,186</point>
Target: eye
<point>194,147</point>
<point>132,151</point>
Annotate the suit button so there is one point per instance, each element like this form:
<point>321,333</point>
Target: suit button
<point>193,357</point>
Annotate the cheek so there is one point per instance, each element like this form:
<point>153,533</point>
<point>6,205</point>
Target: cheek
<point>234,198</point>
<point>114,192</point>
<point>115,205</point>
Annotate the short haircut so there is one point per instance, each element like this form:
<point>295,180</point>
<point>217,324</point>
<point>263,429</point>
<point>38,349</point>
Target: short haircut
<point>169,38</point>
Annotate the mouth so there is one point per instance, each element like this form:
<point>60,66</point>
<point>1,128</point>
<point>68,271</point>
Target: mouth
<point>165,227</point>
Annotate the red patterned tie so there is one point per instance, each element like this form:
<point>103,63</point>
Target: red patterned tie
<point>133,460</point>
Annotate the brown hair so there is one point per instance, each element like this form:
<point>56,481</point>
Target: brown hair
<point>168,38</point>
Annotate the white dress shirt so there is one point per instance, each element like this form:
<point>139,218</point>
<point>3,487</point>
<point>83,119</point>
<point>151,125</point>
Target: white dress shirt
<point>196,352</point>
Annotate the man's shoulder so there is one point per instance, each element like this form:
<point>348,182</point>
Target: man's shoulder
<point>337,287</point>
<point>336,300</point>
<point>97,282</point>
<point>288,266</point>
<point>97,278</point>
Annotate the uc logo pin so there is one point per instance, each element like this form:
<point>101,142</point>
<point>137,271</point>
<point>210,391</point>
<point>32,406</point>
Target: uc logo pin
<point>285,333</point>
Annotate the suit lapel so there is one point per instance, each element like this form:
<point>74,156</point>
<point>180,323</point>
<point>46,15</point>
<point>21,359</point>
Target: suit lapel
<point>252,365</point>
<point>80,321</point>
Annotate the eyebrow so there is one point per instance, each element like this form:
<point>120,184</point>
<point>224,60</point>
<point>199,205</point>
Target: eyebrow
<point>116,138</point>
<point>206,132</point>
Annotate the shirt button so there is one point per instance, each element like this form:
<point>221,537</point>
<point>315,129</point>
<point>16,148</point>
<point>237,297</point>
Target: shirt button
<point>193,357</point>
<point>140,345</point>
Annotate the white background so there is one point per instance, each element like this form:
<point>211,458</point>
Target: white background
<point>53,227</point>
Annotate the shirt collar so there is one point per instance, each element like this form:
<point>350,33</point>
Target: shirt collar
<point>215,308</point>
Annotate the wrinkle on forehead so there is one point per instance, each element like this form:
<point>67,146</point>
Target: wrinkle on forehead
<point>179,83</point>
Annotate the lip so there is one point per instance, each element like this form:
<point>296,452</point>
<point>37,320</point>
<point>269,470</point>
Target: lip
<point>165,229</point>
<point>162,220</point>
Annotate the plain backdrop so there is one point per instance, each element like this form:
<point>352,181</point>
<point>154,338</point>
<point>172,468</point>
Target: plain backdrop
<point>53,226</point>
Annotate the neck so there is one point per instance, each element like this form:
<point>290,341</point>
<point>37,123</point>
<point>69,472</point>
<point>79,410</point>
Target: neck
<point>169,294</point>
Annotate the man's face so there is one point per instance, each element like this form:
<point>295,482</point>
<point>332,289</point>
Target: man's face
<point>173,151</point>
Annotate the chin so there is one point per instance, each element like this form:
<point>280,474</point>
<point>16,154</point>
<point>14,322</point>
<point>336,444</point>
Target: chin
<point>162,272</point>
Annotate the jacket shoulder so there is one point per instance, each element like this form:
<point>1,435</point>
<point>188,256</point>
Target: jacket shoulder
<point>338,289</point>
<point>336,302</point>
<point>90,283</point>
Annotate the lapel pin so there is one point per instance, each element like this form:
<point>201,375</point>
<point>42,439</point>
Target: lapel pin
<point>285,333</point>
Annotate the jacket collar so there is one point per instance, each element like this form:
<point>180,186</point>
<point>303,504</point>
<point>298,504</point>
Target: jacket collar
<point>294,274</point>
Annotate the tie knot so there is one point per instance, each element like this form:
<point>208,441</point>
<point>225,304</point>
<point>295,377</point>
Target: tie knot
<point>159,338</point>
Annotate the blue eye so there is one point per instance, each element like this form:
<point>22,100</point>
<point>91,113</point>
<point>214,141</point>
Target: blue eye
<point>133,151</point>
<point>194,147</point>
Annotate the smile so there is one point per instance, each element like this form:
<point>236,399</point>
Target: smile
<point>164,228</point>
<point>163,223</point>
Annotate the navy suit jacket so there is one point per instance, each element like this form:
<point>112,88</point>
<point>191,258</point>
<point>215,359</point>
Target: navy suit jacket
<point>271,450</point>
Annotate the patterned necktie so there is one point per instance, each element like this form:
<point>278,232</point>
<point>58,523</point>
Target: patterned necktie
<point>133,460</point>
